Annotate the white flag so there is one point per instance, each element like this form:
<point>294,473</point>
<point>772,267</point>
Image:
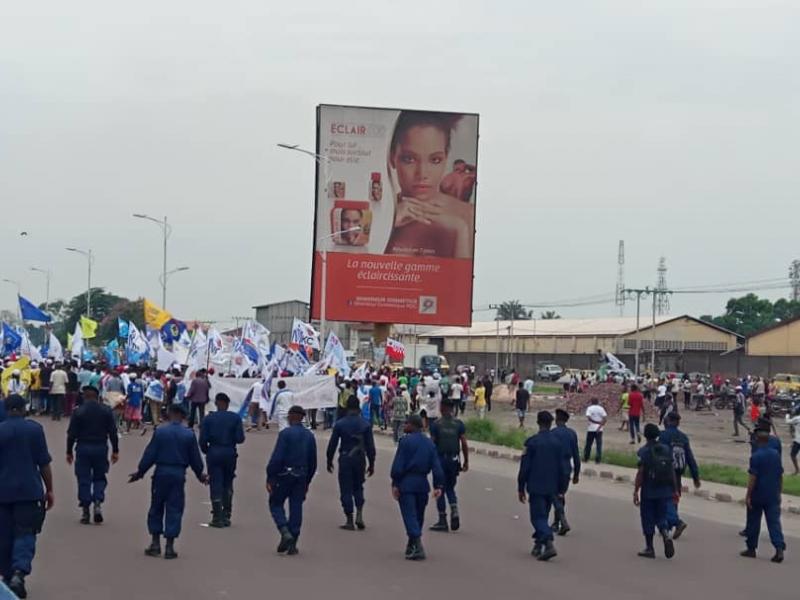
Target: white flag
<point>54,349</point>
<point>334,352</point>
<point>76,351</point>
<point>304,334</point>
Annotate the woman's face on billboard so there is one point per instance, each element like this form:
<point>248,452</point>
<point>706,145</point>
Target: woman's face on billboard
<point>420,159</point>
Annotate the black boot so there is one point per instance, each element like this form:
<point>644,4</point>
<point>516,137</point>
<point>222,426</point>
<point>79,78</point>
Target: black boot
<point>98,512</point>
<point>417,551</point>
<point>778,558</point>
<point>227,508</point>
<point>564,528</point>
<point>348,526</point>
<point>155,546</point>
<point>748,553</point>
<point>669,545</point>
<point>548,552</point>
<point>17,584</point>
<point>169,550</point>
<point>292,549</point>
<point>286,540</point>
<point>455,520</point>
<point>409,547</point>
<point>537,549</point>
<point>441,524</point>
<point>360,519</point>
<point>86,517</point>
<point>216,514</point>
<point>648,552</point>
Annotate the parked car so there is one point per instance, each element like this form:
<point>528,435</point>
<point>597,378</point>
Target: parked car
<point>549,371</point>
<point>786,382</point>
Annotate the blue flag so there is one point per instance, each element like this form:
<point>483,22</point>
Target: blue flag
<point>171,330</point>
<point>30,312</point>
<point>123,327</point>
<point>11,339</point>
<point>111,352</point>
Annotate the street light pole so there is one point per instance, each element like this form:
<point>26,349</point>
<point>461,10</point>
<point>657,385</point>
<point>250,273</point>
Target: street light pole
<point>162,279</point>
<point>324,254</point>
<point>89,258</point>
<point>47,287</point>
<point>166,230</point>
<point>19,293</point>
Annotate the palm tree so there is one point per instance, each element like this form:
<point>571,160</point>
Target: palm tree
<point>512,310</point>
<point>550,314</point>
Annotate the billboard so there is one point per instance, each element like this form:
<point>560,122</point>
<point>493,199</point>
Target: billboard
<point>395,215</point>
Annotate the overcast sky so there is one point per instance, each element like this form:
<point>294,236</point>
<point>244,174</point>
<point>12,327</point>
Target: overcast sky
<point>672,125</point>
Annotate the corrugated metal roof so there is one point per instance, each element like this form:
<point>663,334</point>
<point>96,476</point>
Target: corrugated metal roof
<point>611,326</point>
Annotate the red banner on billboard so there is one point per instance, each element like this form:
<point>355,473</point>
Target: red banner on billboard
<point>395,215</point>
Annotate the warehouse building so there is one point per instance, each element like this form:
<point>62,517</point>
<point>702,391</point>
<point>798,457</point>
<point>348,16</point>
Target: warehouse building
<point>680,343</point>
<point>782,339</point>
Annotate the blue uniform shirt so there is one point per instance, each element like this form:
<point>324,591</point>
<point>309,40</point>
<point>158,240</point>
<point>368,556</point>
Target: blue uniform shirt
<point>172,449</point>
<point>772,442</point>
<point>673,435</point>
<point>295,453</point>
<point>544,465</point>
<point>416,457</point>
<point>569,439</point>
<point>649,490</point>
<point>23,453</point>
<point>221,429</point>
<point>2,411</point>
<point>355,434</point>
<point>765,464</point>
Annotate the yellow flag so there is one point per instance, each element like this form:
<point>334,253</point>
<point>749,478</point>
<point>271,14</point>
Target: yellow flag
<point>88,328</point>
<point>23,365</point>
<point>154,315</point>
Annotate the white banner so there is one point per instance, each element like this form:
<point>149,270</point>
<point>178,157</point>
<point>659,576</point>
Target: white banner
<point>313,391</point>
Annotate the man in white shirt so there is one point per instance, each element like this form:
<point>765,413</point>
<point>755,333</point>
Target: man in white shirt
<point>794,426</point>
<point>597,417</point>
<point>529,385</point>
<point>282,401</point>
<point>456,392</point>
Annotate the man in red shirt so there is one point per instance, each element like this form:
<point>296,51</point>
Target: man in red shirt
<point>635,413</point>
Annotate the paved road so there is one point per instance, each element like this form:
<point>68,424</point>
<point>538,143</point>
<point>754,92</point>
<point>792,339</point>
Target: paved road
<point>488,558</point>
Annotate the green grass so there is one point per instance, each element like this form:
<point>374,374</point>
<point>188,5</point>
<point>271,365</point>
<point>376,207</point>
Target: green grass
<point>548,389</point>
<point>488,431</point>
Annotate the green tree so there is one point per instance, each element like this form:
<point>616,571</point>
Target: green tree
<point>749,314</point>
<point>512,310</point>
<point>550,314</point>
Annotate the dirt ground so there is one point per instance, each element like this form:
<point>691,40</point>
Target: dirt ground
<point>710,433</point>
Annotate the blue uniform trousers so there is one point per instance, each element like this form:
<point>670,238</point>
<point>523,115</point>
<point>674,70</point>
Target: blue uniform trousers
<point>412,508</point>
<point>560,499</point>
<point>653,512</point>
<point>673,518</point>
<point>540,512</point>
<point>772,513</point>
<point>351,482</point>
<point>451,468</point>
<point>221,463</point>
<point>91,468</point>
<point>293,489</point>
<point>19,524</point>
<point>167,501</point>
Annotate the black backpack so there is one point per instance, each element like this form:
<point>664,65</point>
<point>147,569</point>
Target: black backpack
<point>659,469</point>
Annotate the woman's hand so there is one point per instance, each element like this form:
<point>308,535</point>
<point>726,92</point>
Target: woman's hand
<point>410,210</point>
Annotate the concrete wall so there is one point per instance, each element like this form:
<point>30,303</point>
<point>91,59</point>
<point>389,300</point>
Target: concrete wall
<point>730,365</point>
<point>781,341</point>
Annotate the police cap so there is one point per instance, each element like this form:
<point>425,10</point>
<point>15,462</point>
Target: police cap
<point>544,417</point>
<point>297,410</point>
<point>415,421</point>
<point>562,415</point>
<point>15,402</point>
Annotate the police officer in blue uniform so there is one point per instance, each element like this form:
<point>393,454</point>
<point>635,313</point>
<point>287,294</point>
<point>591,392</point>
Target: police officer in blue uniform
<point>682,457</point>
<point>414,460</point>
<point>289,473</point>
<point>24,465</point>
<point>450,438</point>
<point>656,480</point>
<point>542,470</point>
<point>220,432</point>
<point>352,434</point>
<point>92,427</point>
<point>172,449</point>
<point>572,464</point>
<point>772,442</point>
<point>764,496</point>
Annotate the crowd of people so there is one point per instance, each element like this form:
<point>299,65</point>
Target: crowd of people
<point>421,409</point>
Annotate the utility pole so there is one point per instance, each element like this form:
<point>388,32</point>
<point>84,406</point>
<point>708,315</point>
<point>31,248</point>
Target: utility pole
<point>496,307</point>
<point>638,293</point>
<point>620,295</point>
